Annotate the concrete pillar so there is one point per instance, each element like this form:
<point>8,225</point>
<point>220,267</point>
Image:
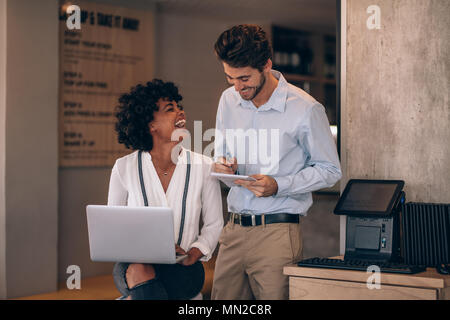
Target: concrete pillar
<point>396,115</point>
<point>28,144</point>
<point>398,111</point>
<point>2,147</point>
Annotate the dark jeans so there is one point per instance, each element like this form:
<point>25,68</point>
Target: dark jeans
<point>172,281</point>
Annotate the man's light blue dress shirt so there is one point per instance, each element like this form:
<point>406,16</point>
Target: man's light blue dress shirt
<point>288,138</point>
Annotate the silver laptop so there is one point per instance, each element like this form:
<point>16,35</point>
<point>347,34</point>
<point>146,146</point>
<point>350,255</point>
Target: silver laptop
<point>131,234</point>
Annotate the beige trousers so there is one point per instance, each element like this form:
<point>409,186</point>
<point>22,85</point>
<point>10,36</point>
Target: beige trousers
<point>251,260</point>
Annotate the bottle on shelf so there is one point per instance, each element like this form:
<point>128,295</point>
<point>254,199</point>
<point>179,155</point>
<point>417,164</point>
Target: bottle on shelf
<point>295,61</point>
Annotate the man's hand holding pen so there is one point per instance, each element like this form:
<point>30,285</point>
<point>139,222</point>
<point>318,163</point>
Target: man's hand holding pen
<point>264,186</point>
<point>227,166</point>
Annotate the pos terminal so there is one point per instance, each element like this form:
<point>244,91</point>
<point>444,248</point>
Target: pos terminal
<point>373,224</point>
<point>373,228</point>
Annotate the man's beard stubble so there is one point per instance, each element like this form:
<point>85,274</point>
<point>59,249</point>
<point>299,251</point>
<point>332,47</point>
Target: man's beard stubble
<point>257,88</point>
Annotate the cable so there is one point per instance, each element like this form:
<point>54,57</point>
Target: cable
<point>443,269</point>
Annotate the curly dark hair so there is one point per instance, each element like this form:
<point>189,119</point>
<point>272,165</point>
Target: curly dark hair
<point>244,45</point>
<point>136,109</point>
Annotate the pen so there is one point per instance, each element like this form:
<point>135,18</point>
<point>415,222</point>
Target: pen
<point>229,158</point>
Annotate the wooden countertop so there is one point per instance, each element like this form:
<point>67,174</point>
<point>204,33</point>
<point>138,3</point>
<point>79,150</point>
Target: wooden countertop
<point>428,279</point>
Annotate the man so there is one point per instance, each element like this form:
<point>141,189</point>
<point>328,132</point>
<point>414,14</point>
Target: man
<point>263,233</point>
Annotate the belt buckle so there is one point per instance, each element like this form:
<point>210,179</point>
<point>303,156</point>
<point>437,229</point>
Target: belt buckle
<point>253,220</point>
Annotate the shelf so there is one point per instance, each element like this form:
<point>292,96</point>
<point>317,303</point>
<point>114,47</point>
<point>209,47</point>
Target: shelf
<point>299,77</point>
<point>307,60</point>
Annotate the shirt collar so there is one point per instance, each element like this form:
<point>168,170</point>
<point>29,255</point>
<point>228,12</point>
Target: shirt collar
<point>277,100</point>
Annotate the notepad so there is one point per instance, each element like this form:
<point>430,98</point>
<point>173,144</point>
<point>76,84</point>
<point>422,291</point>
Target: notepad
<point>230,178</point>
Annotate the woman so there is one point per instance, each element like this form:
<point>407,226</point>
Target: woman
<point>161,173</point>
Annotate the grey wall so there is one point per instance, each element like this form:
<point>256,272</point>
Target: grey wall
<point>31,146</point>
<point>2,147</point>
<point>320,228</point>
<point>79,187</point>
<point>396,118</point>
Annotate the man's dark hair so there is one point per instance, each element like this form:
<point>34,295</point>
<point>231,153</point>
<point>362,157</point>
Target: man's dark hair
<point>244,46</point>
<point>136,109</point>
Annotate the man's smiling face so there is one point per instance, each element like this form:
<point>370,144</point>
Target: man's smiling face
<point>246,80</point>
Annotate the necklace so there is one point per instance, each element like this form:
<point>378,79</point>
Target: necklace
<point>164,172</point>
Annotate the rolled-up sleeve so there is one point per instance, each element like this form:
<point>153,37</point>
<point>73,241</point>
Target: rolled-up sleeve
<point>322,168</point>
<point>117,194</point>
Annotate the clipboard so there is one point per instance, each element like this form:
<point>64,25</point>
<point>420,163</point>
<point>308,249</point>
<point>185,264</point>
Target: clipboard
<point>230,178</point>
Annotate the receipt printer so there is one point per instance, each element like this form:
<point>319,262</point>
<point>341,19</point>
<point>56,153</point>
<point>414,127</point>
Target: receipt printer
<point>373,209</point>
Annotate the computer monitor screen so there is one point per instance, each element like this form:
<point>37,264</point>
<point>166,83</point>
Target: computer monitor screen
<point>369,197</point>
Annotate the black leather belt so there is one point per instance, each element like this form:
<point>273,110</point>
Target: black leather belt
<point>247,220</point>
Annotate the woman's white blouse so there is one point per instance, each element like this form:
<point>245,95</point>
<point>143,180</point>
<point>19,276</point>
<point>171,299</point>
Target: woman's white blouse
<point>203,197</point>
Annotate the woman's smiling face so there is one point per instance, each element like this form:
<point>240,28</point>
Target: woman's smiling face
<point>169,117</point>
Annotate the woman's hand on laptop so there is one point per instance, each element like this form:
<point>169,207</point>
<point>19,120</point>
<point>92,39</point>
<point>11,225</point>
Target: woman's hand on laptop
<point>179,250</point>
<point>192,256</point>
